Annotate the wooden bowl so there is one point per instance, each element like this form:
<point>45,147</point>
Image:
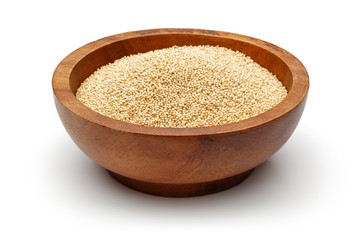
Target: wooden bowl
<point>178,162</point>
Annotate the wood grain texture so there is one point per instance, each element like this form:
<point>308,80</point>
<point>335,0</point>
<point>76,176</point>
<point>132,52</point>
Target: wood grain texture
<point>182,190</point>
<point>178,161</point>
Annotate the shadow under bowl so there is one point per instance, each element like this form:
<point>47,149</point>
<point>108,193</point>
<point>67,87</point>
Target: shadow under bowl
<point>178,162</point>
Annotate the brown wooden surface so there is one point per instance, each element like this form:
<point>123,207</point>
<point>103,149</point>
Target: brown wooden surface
<point>182,190</point>
<point>178,157</point>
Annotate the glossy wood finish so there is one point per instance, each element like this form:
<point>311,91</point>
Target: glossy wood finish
<point>178,161</point>
<point>182,190</point>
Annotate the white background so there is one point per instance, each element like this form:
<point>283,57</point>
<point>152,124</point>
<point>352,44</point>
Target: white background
<point>307,190</point>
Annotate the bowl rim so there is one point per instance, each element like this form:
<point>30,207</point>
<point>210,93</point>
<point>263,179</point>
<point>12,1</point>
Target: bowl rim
<point>63,93</point>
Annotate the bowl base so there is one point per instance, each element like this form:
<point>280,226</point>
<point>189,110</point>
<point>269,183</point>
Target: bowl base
<point>182,190</point>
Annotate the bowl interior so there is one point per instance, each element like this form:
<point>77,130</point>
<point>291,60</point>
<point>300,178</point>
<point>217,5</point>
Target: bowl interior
<point>141,44</point>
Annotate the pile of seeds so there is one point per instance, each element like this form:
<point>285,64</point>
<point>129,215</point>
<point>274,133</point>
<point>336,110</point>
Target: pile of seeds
<point>189,86</point>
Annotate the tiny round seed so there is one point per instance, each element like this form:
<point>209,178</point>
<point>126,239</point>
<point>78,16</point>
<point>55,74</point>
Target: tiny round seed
<point>188,86</point>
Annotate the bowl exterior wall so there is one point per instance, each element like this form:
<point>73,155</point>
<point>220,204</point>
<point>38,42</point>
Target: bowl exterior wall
<point>179,159</point>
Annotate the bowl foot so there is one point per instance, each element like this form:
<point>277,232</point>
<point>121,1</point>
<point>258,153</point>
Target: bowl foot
<point>181,190</point>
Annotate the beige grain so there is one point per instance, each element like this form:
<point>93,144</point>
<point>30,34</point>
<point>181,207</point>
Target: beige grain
<point>189,86</point>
